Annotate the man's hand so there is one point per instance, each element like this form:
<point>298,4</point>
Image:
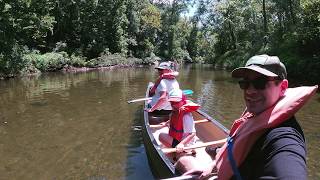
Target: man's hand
<point>204,172</point>
<point>147,110</point>
<point>152,90</point>
<point>163,124</point>
<point>180,147</point>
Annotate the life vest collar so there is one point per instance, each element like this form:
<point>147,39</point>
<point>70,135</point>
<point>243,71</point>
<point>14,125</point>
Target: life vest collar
<point>189,106</point>
<point>170,75</point>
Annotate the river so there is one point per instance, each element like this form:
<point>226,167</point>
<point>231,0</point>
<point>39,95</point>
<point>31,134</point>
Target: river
<point>79,125</point>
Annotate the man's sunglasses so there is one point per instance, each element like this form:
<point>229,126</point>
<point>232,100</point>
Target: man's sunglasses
<point>258,83</point>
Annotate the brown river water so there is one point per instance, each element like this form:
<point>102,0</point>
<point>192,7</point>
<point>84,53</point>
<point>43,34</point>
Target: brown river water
<point>79,125</point>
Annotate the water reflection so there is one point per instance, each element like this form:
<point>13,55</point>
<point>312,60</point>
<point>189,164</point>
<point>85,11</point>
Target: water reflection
<point>79,126</point>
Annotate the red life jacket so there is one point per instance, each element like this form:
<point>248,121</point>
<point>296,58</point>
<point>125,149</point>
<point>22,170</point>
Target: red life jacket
<point>170,75</point>
<point>176,119</point>
<point>246,130</point>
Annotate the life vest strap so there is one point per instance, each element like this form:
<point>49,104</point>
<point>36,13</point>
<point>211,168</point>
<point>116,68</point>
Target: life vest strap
<point>176,130</point>
<point>231,159</point>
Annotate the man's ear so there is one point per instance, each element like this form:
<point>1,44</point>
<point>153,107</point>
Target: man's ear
<point>284,86</point>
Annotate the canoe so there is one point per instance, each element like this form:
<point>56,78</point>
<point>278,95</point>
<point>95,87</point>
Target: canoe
<point>162,164</point>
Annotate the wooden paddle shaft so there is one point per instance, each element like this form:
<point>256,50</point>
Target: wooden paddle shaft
<point>183,177</point>
<point>218,142</point>
<point>138,100</point>
<point>186,92</point>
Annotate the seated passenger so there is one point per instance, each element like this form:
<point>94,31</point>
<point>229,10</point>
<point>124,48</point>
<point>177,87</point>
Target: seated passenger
<point>163,85</point>
<point>181,124</point>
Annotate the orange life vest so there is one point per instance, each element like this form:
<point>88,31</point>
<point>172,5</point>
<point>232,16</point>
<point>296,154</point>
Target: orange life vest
<point>246,130</point>
<point>176,119</point>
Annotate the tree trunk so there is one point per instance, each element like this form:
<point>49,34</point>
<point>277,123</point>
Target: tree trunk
<point>281,30</point>
<point>291,12</point>
<point>233,38</point>
<point>265,23</point>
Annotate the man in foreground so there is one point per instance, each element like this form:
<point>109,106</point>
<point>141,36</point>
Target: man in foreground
<point>266,142</point>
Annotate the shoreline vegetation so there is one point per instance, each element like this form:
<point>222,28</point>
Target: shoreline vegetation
<point>51,35</point>
<point>36,63</point>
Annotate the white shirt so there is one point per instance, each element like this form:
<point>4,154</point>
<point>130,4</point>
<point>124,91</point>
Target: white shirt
<point>164,85</point>
<point>188,127</point>
<point>188,123</point>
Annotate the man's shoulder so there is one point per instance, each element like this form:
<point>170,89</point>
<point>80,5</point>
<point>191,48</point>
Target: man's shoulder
<point>284,143</point>
<point>287,132</point>
<point>169,83</point>
<point>289,126</point>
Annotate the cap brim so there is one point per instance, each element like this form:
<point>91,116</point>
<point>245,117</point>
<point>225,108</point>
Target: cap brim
<point>242,71</point>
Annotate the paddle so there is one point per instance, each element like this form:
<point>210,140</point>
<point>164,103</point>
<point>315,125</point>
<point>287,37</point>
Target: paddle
<point>186,92</point>
<point>211,176</point>
<point>218,142</point>
<point>182,177</point>
<point>139,99</point>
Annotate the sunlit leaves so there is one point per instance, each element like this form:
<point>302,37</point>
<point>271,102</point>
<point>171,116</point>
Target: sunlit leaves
<point>150,16</point>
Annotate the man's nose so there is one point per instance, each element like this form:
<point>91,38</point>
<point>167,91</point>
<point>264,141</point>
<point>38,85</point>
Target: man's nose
<point>251,89</point>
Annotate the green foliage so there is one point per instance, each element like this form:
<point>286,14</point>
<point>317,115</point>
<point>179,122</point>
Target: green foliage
<point>232,59</point>
<point>151,59</point>
<point>108,59</point>
<point>11,63</point>
<point>146,36</point>
<point>35,61</point>
<point>235,30</point>
<point>48,61</point>
<point>27,22</point>
<point>77,61</point>
<point>302,69</point>
<point>225,33</point>
<point>309,31</point>
<point>150,17</point>
<point>192,45</point>
<point>172,40</point>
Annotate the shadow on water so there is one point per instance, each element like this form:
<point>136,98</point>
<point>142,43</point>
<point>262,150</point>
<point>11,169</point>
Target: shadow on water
<point>137,162</point>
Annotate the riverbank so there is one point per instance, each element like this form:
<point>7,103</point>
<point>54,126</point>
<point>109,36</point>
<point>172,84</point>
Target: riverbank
<point>34,63</point>
<point>72,69</point>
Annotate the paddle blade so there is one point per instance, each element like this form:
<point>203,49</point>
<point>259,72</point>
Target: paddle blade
<point>187,92</point>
